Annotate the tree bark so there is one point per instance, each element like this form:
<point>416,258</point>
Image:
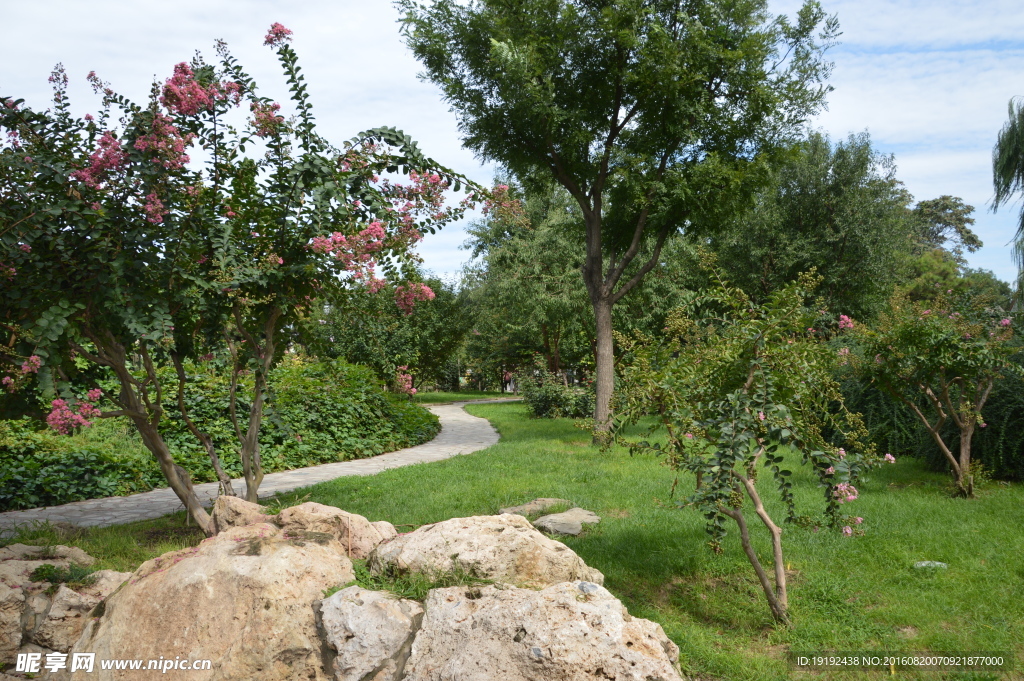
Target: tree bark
<point>604,362</point>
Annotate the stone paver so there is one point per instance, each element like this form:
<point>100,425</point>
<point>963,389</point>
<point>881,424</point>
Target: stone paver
<point>460,433</point>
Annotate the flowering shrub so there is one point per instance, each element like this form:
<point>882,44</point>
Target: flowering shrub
<point>735,385</point>
<point>947,351</point>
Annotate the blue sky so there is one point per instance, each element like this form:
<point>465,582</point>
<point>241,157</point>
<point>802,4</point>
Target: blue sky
<point>929,80</point>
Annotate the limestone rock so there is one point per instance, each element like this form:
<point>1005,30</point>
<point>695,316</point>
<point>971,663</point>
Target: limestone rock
<point>535,506</point>
<point>570,522</point>
<point>574,631</point>
<point>69,610</point>
<point>231,511</point>
<point>930,565</point>
<point>12,601</point>
<point>371,633</point>
<point>242,598</point>
<point>355,533</point>
<point>46,554</point>
<point>505,548</point>
<point>386,529</point>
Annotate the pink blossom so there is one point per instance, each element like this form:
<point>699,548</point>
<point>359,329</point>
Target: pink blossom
<point>25,247</point>
<point>277,35</point>
<point>183,94</point>
<point>845,322</point>
<point>689,436</point>
<point>830,470</point>
<point>847,531</point>
<point>265,119</point>
<point>7,382</point>
<point>858,520</point>
<point>761,415</point>
<point>844,492</point>
<point>64,418</point>
<point>407,296</point>
<point>982,425</point>
<point>1004,322</point>
<point>889,458</point>
<point>403,380</point>
<point>94,395</point>
<point>154,209</point>
<point>280,260</point>
<point>167,143</point>
<point>842,453</point>
<point>31,365</point>
<point>88,117</point>
<point>109,155</point>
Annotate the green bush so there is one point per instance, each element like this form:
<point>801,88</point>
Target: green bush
<point>42,468</point>
<point>318,412</point>
<point>548,396</point>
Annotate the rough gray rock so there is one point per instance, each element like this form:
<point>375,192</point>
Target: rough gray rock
<point>929,564</point>
<point>535,506</point>
<point>234,512</point>
<point>12,602</point>
<point>46,554</point>
<point>370,632</point>
<point>574,631</point>
<point>570,522</point>
<point>243,598</point>
<point>354,532</point>
<point>68,611</point>
<point>505,548</point>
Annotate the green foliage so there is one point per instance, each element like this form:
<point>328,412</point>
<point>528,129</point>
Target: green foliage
<point>1008,175</point>
<point>73,575</point>
<point>42,468</point>
<point>412,585</point>
<point>548,395</point>
<point>318,412</point>
<point>835,207</point>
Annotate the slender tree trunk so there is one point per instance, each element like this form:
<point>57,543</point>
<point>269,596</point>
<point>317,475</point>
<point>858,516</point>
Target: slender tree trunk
<point>966,481</point>
<point>177,477</point>
<point>604,361</point>
<point>223,478</point>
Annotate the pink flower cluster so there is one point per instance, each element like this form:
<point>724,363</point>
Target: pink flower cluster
<point>403,380</point>
<point>109,155</point>
<point>1005,322</point>
<point>845,322</point>
<point>354,252</point>
<point>407,295</point>
<point>65,418</point>
<point>502,207</point>
<point>265,119</point>
<point>844,492</point>
<point>183,94</point>
<point>31,365</point>
<point>167,142</point>
<point>889,458</point>
<point>154,209</point>
<point>277,35</point>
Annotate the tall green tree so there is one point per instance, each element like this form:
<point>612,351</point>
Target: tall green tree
<point>835,207</point>
<point>642,111</point>
<point>1008,174</point>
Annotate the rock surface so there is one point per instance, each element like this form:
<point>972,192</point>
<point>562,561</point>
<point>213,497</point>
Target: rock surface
<point>234,512</point>
<point>46,554</point>
<point>354,532</point>
<point>67,612</point>
<point>242,599</point>
<point>505,548</point>
<point>12,602</point>
<point>570,522</point>
<point>386,529</point>
<point>535,506</point>
<point>369,632</point>
<point>573,631</point>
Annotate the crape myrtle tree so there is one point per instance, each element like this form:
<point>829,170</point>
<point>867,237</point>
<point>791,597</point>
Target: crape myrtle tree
<point>950,350</point>
<point>118,254</point>
<point>643,111</point>
<point>736,385</point>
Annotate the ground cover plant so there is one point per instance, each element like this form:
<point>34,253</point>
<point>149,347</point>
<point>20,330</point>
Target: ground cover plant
<point>321,412</point>
<point>447,396</point>
<point>846,593</point>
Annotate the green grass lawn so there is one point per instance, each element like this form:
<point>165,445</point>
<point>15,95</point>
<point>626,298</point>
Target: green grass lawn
<point>846,594</point>
<point>434,397</point>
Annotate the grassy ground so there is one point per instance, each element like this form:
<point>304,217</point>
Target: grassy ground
<point>847,594</point>
<point>435,397</point>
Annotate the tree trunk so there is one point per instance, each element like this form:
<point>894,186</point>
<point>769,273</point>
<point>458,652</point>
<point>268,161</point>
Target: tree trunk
<point>177,477</point>
<point>966,481</point>
<point>604,361</point>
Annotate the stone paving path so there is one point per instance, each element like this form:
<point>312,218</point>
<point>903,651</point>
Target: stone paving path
<point>460,433</point>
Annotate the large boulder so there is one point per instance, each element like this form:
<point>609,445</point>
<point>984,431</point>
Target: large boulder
<point>231,511</point>
<point>369,633</point>
<point>357,534</point>
<point>567,632</point>
<point>504,548</point>
<point>242,599</point>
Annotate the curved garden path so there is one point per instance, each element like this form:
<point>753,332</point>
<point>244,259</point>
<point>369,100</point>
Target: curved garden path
<point>460,433</point>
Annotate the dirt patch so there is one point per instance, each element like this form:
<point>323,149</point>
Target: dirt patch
<point>616,513</point>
